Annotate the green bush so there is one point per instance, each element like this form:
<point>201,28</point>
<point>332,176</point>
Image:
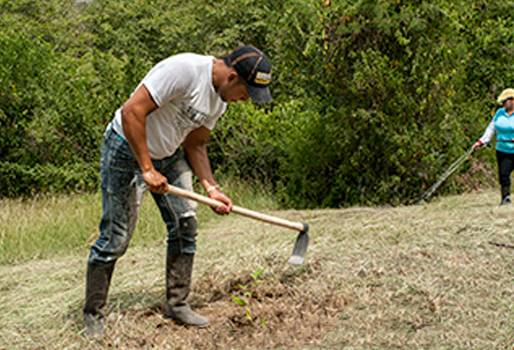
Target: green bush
<point>16,179</point>
<point>372,100</point>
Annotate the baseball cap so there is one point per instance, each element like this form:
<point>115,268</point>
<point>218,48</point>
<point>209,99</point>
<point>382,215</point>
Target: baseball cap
<point>255,68</point>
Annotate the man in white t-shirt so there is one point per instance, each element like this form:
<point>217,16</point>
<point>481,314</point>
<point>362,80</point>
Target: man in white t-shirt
<point>177,104</point>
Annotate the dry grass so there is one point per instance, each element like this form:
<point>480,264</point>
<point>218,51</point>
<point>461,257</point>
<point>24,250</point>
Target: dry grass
<point>408,277</point>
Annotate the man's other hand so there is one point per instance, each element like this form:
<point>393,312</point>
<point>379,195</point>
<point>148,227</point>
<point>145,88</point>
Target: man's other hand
<point>223,198</point>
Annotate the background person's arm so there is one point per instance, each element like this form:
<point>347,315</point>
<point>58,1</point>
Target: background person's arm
<point>195,147</point>
<point>134,113</point>
<point>489,133</point>
<point>486,137</point>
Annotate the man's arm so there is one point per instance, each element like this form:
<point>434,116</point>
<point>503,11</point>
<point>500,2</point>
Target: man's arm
<point>195,147</point>
<point>133,114</point>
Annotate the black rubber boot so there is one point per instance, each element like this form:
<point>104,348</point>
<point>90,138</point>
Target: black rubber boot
<point>97,286</point>
<point>179,269</point>
<point>505,195</point>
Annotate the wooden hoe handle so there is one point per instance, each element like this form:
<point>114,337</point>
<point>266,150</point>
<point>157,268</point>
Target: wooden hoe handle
<point>298,226</point>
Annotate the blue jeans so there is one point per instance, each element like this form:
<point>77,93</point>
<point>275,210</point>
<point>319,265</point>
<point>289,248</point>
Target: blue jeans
<point>122,192</point>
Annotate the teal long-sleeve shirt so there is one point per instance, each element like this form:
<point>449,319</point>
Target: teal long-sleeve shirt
<point>503,126</point>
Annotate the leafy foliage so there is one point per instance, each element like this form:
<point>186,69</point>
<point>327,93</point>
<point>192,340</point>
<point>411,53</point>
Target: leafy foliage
<point>372,98</point>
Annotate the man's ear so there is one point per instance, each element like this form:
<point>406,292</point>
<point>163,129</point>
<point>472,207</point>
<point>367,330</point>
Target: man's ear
<point>232,76</point>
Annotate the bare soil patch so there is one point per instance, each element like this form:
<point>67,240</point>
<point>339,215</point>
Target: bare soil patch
<point>258,310</point>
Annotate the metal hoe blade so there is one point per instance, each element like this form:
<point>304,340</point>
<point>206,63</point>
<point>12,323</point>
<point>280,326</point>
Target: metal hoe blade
<point>300,246</point>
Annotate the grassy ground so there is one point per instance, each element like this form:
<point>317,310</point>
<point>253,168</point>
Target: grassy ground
<point>438,276</point>
<point>55,225</point>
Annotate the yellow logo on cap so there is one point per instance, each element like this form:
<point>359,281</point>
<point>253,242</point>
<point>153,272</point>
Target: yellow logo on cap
<point>263,78</point>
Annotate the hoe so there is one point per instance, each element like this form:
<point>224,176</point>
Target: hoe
<point>302,241</point>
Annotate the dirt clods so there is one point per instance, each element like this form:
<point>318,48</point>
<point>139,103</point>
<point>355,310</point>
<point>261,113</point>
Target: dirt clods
<point>262,309</point>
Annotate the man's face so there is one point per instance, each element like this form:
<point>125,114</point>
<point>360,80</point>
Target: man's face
<point>233,89</point>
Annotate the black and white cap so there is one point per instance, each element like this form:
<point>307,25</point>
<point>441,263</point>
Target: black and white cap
<point>255,68</point>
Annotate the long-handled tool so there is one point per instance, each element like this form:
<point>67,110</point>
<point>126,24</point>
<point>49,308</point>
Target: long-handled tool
<point>302,241</point>
<point>448,172</point>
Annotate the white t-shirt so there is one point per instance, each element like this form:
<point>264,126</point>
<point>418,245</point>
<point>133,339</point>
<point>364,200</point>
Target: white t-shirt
<point>181,86</point>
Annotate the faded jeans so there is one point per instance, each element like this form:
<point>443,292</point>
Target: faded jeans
<point>122,192</point>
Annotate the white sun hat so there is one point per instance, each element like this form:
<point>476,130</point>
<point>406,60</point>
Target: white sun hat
<point>507,93</point>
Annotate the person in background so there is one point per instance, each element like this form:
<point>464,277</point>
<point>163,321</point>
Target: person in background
<point>503,126</point>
